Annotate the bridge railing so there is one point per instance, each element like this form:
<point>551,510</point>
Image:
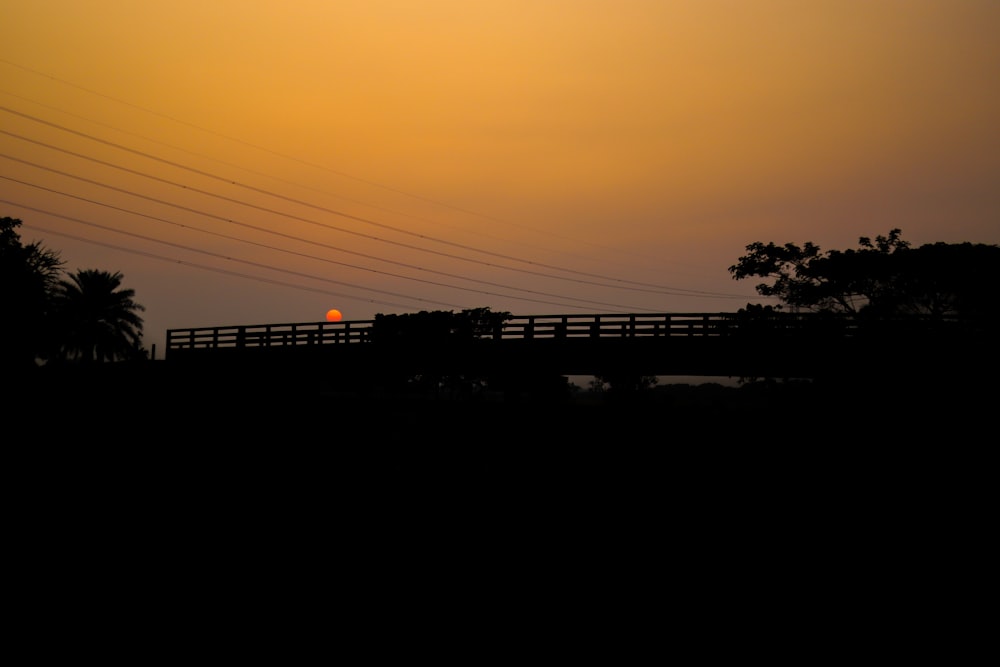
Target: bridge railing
<point>614,326</point>
<point>525,327</point>
<point>268,335</point>
<point>518,327</point>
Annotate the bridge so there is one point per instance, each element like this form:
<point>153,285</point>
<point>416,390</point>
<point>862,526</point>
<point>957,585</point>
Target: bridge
<point>778,345</point>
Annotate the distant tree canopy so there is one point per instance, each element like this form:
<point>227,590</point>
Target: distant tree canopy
<point>439,326</point>
<point>48,317</point>
<point>880,279</point>
<point>436,337</point>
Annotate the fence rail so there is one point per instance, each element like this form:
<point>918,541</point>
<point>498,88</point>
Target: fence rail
<point>518,327</point>
<point>528,327</point>
<point>268,335</point>
<point>709,344</point>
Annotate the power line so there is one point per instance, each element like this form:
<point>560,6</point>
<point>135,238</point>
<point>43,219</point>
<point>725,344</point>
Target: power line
<point>289,157</point>
<point>281,234</point>
<point>314,257</point>
<point>307,187</point>
<point>302,219</point>
<point>214,269</point>
<point>207,252</point>
<point>618,283</point>
<point>622,282</point>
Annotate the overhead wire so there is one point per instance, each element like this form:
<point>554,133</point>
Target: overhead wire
<point>174,260</point>
<point>302,219</point>
<point>616,282</point>
<point>291,158</point>
<point>303,186</point>
<point>296,253</point>
<point>298,238</point>
<point>218,255</point>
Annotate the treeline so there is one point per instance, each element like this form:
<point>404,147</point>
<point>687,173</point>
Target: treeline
<point>54,316</point>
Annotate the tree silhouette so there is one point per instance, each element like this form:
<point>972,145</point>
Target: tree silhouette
<point>28,276</point>
<point>887,318</point>
<point>97,319</point>
<point>433,351</point>
<point>884,278</point>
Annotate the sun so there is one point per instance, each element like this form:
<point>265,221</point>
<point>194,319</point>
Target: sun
<point>333,315</point>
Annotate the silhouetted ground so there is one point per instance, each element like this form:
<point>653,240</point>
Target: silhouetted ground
<point>154,403</point>
<point>173,488</point>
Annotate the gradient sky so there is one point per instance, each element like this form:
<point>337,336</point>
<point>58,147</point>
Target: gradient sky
<point>250,162</point>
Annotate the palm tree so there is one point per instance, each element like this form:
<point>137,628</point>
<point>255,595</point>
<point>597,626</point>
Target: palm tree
<point>28,276</point>
<point>98,321</point>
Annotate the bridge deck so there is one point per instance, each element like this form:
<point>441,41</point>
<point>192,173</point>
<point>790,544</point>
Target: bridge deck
<point>516,328</point>
<point>721,344</point>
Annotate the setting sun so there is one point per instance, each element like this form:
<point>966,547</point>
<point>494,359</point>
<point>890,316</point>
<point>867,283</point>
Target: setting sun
<point>333,315</point>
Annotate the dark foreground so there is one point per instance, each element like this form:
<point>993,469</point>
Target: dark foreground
<point>155,405</point>
<point>139,442</point>
<point>250,496</point>
<point>863,497</point>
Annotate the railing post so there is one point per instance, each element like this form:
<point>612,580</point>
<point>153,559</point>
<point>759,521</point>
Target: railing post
<point>561,328</point>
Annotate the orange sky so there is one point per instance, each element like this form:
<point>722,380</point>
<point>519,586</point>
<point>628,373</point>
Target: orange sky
<point>269,160</point>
